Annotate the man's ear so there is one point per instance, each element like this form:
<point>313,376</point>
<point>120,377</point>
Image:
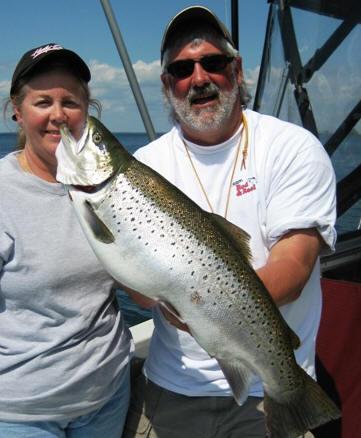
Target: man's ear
<point>239,70</point>
<point>165,79</point>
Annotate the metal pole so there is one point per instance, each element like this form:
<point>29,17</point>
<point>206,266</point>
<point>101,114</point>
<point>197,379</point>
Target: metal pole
<point>234,21</point>
<point>133,82</point>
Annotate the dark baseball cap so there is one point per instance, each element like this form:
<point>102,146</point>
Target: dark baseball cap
<point>47,52</point>
<point>193,15</point>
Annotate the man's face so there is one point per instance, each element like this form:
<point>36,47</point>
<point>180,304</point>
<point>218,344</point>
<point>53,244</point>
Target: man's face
<point>203,100</point>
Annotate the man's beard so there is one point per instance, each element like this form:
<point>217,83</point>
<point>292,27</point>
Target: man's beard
<point>203,119</point>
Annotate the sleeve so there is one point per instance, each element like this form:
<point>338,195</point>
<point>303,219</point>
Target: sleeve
<point>140,155</point>
<point>301,191</point>
<point>148,154</point>
<point>6,241</point>
<point>6,248</point>
<point>157,154</point>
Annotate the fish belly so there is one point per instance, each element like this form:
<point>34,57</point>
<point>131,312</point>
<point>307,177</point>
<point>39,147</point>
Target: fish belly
<point>155,254</point>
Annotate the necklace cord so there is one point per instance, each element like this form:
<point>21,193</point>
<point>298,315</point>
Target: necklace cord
<point>245,148</point>
<point>243,164</point>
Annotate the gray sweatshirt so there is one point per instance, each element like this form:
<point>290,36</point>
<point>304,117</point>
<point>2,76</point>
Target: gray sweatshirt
<point>63,343</point>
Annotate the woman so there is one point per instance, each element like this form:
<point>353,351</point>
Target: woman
<point>64,348</point>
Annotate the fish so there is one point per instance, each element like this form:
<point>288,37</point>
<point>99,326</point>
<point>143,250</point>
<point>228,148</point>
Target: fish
<point>155,240</point>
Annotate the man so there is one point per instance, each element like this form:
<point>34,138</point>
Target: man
<point>272,179</point>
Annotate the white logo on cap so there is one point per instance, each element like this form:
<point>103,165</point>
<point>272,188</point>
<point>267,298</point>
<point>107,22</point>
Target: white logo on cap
<point>45,49</point>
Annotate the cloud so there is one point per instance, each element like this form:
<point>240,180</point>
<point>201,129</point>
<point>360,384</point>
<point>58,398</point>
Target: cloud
<point>4,88</point>
<point>110,85</point>
<point>106,77</point>
<point>251,77</point>
<point>332,96</point>
<point>148,73</point>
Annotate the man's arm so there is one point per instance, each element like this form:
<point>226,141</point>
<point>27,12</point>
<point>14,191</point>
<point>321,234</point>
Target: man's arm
<point>286,272</point>
<point>290,263</point>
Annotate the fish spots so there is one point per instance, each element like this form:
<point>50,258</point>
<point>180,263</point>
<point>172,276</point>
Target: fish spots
<point>196,298</point>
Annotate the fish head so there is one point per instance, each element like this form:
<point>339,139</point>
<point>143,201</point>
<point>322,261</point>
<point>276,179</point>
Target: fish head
<point>92,159</point>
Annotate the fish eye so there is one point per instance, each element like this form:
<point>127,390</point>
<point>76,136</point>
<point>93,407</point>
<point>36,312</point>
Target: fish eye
<point>97,138</point>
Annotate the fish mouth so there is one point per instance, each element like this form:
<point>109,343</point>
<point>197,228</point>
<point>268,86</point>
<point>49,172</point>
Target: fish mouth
<point>69,140</point>
<point>66,136</point>
<point>86,189</point>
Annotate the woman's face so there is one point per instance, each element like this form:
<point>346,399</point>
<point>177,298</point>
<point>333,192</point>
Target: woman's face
<point>51,99</point>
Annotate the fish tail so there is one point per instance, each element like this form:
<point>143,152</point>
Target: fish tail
<point>309,409</point>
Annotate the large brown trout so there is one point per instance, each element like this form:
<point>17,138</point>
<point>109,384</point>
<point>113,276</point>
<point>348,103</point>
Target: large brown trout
<point>153,239</point>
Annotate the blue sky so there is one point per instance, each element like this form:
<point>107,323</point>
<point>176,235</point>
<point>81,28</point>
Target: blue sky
<point>81,25</point>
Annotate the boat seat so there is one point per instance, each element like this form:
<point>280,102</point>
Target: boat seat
<point>338,359</point>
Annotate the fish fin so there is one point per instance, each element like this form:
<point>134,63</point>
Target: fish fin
<point>238,236</point>
<point>239,378</point>
<point>100,230</point>
<point>309,409</point>
<point>171,310</point>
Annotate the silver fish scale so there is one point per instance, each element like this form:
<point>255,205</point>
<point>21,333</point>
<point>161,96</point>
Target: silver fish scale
<point>168,258</point>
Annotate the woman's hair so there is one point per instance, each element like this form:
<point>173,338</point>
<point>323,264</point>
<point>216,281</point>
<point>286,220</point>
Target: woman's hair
<point>19,93</point>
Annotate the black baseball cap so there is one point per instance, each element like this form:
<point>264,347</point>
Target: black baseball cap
<point>193,15</point>
<point>51,51</point>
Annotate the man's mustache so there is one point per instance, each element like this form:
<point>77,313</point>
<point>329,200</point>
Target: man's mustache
<point>207,90</point>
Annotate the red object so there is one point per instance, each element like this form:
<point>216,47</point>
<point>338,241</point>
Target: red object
<point>339,356</point>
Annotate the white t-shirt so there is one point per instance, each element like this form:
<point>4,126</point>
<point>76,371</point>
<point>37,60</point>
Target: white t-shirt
<point>288,183</point>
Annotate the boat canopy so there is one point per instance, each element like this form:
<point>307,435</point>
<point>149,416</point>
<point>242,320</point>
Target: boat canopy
<point>310,74</point>
<point>331,8</point>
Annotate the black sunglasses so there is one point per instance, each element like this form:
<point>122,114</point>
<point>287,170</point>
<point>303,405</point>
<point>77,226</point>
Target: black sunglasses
<point>211,63</point>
